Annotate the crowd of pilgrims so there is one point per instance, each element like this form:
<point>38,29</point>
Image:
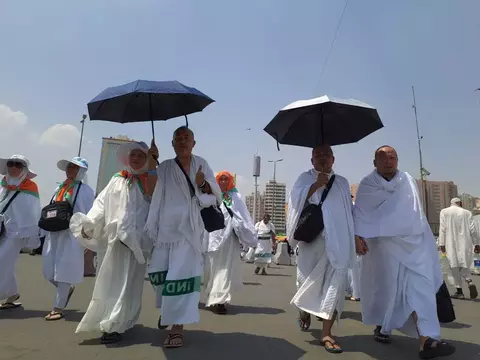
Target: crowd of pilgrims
<point>152,213</point>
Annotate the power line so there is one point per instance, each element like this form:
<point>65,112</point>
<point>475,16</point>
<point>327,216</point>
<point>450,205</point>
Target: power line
<point>332,43</point>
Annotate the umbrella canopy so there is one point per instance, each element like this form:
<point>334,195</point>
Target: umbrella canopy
<point>323,120</point>
<point>144,100</point>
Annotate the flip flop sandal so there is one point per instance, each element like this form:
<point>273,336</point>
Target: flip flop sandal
<point>10,305</point>
<point>54,316</point>
<point>381,338</point>
<point>110,338</point>
<point>473,290</point>
<point>441,349</point>
<point>354,299</point>
<point>221,309</point>
<point>169,341</point>
<point>159,325</point>
<point>304,320</point>
<point>332,349</point>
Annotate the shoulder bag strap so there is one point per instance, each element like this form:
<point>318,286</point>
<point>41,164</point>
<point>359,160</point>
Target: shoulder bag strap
<point>9,202</point>
<point>76,195</point>
<point>327,190</point>
<point>190,185</point>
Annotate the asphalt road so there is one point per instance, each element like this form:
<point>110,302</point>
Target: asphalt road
<point>261,325</point>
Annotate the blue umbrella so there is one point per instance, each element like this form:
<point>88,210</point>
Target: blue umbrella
<point>144,100</point>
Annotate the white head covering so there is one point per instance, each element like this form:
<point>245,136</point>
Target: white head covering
<point>26,172</point>
<point>79,161</point>
<point>123,153</point>
<point>455,201</point>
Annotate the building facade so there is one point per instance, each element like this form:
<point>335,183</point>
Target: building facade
<point>438,197</point>
<point>249,200</point>
<point>275,199</point>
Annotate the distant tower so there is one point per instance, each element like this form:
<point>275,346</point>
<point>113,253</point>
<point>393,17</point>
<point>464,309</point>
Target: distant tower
<point>256,175</point>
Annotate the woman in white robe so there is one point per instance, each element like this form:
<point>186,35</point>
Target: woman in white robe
<point>266,237</point>
<point>115,225</point>
<point>62,253</point>
<point>19,221</point>
<point>223,262</point>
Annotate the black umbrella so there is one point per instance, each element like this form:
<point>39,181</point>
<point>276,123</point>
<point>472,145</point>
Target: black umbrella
<point>323,120</point>
<point>144,100</point>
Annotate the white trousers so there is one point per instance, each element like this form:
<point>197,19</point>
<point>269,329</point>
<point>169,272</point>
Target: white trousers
<point>456,276</point>
<point>62,295</point>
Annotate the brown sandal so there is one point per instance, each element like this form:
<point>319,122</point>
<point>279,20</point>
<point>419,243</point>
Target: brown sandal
<point>170,342</point>
<point>54,316</point>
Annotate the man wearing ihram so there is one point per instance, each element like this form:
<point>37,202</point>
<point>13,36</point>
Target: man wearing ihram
<point>320,222</point>
<point>185,186</point>
<point>400,273</point>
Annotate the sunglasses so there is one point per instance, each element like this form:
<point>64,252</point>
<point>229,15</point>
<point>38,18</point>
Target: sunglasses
<point>16,164</point>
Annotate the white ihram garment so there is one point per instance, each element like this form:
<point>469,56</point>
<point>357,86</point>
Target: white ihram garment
<point>263,251</point>
<point>62,254</point>
<point>458,235</point>
<point>400,274</point>
<point>322,265</point>
<point>176,227</point>
<point>354,278</point>
<point>116,223</point>
<point>223,262</point>
<point>21,231</point>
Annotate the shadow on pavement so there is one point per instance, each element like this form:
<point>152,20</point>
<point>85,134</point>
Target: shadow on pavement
<point>21,313</point>
<point>456,325</point>
<point>239,309</point>
<point>232,346</point>
<point>401,348</point>
<point>352,315</point>
<point>139,334</point>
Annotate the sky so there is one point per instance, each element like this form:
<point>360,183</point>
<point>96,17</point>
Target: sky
<point>253,57</point>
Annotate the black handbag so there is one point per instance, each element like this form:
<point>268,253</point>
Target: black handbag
<point>2,225</point>
<point>212,216</point>
<point>56,215</point>
<point>310,223</point>
<point>445,311</point>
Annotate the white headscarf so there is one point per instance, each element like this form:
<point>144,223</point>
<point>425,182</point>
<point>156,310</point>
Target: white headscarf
<point>123,154</point>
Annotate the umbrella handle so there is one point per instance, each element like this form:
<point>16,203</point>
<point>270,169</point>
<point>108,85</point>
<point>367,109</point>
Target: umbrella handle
<point>153,136</point>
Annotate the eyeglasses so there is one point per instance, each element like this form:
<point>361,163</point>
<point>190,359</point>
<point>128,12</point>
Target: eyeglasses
<point>16,164</point>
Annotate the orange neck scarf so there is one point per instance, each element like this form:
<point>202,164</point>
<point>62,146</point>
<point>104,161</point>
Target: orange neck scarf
<point>140,179</point>
<point>27,186</point>
<point>65,190</point>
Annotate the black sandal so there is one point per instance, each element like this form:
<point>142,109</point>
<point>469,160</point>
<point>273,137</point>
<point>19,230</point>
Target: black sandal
<point>332,349</point>
<point>220,309</point>
<point>110,338</point>
<point>381,338</point>
<point>436,348</point>
<point>304,320</point>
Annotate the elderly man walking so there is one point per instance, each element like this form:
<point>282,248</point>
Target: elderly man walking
<point>457,239</point>
<point>324,255</point>
<point>185,185</point>
<point>400,272</point>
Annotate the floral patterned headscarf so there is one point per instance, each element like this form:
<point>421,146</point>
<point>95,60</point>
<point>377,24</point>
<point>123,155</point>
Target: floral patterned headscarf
<point>227,197</point>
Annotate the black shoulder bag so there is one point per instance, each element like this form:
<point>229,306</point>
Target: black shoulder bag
<point>212,216</point>
<point>56,215</point>
<point>2,225</point>
<point>310,224</point>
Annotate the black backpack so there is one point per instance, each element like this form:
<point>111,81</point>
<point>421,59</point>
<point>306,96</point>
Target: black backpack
<point>56,215</point>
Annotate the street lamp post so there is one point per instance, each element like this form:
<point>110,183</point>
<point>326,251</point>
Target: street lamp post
<point>423,172</point>
<point>274,186</point>
<point>81,134</point>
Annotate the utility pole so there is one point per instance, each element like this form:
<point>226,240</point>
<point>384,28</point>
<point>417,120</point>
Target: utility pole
<point>274,186</point>
<point>423,172</point>
<point>81,134</point>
